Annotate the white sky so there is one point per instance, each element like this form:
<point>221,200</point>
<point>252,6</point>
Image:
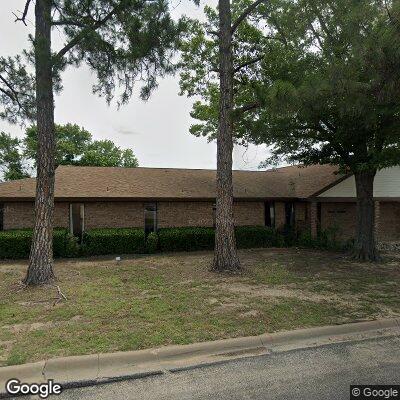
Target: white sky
<point>157,130</point>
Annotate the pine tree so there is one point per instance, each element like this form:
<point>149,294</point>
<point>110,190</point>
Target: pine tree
<point>121,40</point>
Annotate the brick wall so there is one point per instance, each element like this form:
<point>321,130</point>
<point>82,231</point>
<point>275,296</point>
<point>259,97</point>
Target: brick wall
<point>249,213</point>
<point>118,214</point>
<point>174,213</point>
<point>61,215</point>
<point>389,222</point>
<point>177,214</point>
<point>131,214</point>
<point>341,217</point>
<point>20,215</point>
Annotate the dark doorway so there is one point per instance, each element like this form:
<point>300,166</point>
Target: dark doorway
<point>77,219</point>
<point>289,214</point>
<point>150,218</point>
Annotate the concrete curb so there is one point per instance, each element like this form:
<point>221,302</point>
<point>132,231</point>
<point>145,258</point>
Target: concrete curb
<point>102,368</point>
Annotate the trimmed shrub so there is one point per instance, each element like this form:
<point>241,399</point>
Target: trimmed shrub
<point>72,247</point>
<point>186,239</point>
<point>60,242</point>
<point>16,244</point>
<point>306,240</point>
<point>191,239</point>
<point>290,235</point>
<point>257,236</point>
<point>114,241</point>
<point>152,243</point>
<point>326,240</point>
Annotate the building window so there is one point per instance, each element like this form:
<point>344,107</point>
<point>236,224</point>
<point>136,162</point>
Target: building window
<point>77,219</point>
<point>270,214</point>
<point>289,214</point>
<point>1,217</point>
<point>150,218</point>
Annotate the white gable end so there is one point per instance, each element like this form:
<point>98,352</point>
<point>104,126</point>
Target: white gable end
<point>386,184</point>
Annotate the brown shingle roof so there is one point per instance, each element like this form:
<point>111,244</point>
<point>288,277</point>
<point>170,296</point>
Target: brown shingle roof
<point>169,183</point>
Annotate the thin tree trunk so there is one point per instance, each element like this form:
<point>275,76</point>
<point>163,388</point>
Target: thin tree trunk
<point>225,256</point>
<point>365,246</point>
<point>40,270</point>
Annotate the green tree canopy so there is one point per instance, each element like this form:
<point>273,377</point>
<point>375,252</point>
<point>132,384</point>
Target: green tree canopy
<point>332,93</point>
<point>327,88</point>
<point>326,91</point>
<point>74,146</point>
<point>199,66</point>
<point>71,142</point>
<point>11,158</point>
<point>104,153</point>
<point>123,42</point>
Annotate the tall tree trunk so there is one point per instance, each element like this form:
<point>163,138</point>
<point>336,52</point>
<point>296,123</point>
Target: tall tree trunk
<point>40,270</point>
<point>225,256</point>
<point>365,246</point>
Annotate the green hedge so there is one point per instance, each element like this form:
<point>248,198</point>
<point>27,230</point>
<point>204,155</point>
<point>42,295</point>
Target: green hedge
<point>258,236</point>
<point>152,243</point>
<point>113,241</point>
<point>325,240</point>
<point>191,239</point>
<point>16,244</point>
<point>186,239</point>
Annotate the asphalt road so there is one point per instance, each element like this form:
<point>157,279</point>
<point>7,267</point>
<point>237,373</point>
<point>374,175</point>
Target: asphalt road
<point>308,374</point>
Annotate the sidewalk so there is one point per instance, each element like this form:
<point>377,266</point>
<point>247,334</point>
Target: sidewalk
<point>101,368</point>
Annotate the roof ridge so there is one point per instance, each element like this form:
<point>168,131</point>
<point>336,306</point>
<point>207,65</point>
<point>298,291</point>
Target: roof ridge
<point>172,168</point>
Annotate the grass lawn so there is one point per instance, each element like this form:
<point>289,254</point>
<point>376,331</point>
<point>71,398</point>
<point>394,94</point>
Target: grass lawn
<point>173,299</point>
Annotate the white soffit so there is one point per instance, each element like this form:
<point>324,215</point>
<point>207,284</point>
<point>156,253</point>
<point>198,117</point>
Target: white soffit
<point>386,184</point>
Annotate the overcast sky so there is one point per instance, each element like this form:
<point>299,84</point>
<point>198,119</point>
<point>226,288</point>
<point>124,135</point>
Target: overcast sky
<point>157,130</point>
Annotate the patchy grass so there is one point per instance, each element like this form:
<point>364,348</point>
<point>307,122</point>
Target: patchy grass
<point>174,299</point>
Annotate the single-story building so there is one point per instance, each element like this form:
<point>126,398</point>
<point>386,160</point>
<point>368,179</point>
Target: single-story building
<point>152,198</point>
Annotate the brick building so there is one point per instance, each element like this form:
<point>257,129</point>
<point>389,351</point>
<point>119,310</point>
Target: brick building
<point>152,198</point>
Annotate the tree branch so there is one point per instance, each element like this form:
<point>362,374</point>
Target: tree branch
<point>24,14</point>
<point>247,107</point>
<point>81,35</point>
<point>250,62</point>
<point>245,14</point>
<point>62,22</point>
<point>215,33</point>
<point>11,93</point>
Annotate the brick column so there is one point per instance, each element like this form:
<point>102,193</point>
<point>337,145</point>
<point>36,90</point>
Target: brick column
<point>377,219</point>
<point>313,219</point>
